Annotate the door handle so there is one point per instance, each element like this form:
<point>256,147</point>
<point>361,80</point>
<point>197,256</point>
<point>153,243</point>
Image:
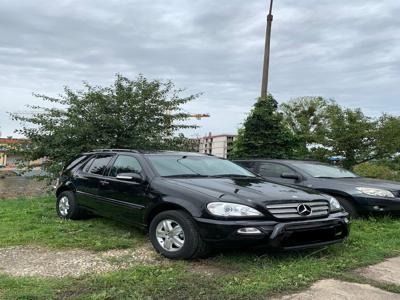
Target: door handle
<point>104,182</point>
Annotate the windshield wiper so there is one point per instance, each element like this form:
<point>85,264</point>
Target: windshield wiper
<point>186,175</point>
<point>232,175</point>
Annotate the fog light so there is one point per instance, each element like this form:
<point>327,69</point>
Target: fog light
<point>346,220</point>
<point>249,230</point>
<point>379,208</point>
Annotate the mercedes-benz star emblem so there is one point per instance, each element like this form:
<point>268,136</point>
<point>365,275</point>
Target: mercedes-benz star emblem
<point>304,210</point>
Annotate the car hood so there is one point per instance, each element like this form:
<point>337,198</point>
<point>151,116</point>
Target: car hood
<point>246,189</point>
<point>367,182</point>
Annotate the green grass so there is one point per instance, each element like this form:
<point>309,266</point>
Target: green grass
<point>34,222</point>
<point>240,274</point>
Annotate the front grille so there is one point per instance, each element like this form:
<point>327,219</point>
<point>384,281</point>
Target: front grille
<point>321,235</point>
<point>288,210</point>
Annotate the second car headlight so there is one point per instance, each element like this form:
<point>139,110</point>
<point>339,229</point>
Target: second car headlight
<point>375,192</point>
<point>334,204</point>
<point>226,209</point>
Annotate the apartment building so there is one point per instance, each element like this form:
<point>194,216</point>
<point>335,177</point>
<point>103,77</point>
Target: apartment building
<point>218,145</point>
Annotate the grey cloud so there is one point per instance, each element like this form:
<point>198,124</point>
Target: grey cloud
<point>347,50</point>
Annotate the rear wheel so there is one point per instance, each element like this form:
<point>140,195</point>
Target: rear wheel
<point>67,208</point>
<point>174,234</point>
<point>348,206</point>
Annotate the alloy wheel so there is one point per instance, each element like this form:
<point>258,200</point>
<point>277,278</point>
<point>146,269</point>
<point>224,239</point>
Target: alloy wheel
<point>170,235</point>
<point>63,206</point>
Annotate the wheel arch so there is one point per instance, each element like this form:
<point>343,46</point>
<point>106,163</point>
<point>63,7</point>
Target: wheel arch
<point>336,193</point>
<point>164,207</point>
<point>65,188</point>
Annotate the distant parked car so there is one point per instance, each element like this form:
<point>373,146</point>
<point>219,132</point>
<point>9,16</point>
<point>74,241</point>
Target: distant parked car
<point>190,201</point>
<point>358,195</point>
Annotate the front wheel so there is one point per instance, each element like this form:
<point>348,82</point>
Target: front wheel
<point>174,234</point>
<point>348,206</point>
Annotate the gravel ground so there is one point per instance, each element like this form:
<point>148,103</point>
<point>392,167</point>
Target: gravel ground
<point>38,261</point>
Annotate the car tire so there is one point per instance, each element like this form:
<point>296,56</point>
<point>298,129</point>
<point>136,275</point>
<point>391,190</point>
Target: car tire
<point>67,208</point>
<point>348,206</point>
<point>193,245</point>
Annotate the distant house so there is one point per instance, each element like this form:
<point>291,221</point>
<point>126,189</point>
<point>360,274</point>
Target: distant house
<point>8,160</point>
<point>219,145</point>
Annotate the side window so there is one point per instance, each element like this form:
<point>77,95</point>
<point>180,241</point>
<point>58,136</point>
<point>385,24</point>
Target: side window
<point>125,164</point>
<point>73,163</point>
<point>246,164</point>
<point>99,164</point>
<point>273,170</point>
<point>88,164</point>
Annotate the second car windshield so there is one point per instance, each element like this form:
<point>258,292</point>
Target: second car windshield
<point>196,166</point>
<point>321,170</point>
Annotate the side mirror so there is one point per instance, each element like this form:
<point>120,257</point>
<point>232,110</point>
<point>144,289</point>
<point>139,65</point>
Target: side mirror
<point>130,177</point>
<point>290,176</point>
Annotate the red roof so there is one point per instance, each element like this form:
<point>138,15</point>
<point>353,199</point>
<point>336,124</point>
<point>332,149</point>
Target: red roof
<point>11,141</point>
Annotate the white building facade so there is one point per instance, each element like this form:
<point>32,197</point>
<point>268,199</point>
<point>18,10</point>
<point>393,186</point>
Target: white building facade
<point>218,145</point>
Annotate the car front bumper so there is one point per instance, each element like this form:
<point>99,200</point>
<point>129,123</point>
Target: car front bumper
<point>369,204</point>
<point>285,235</point>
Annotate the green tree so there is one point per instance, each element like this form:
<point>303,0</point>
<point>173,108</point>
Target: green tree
<point>350,134</point>
<point>138,114</point>
<point>306,117</point>
<point>324,128</point>
<point>264,134</point>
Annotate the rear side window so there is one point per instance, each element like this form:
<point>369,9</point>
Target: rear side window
<point>99,164</point>
<point>73,163</point>
<point>125,164</point>
<point>273,170</point>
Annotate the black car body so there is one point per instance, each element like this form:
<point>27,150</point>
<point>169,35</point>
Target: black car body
<point>150,189</point>
<point>358,195</point>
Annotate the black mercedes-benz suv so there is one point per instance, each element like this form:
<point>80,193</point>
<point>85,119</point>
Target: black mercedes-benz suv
<point>189,202</point>
<point>358,195</point>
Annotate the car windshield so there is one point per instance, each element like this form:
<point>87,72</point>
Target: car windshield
<point>324,171</point>
<point>196,166</point>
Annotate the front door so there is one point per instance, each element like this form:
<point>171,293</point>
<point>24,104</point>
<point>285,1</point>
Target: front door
<point>127,197</point>
<point>273,171</point>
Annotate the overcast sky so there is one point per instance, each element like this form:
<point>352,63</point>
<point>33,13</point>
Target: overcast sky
<point>346,50</point>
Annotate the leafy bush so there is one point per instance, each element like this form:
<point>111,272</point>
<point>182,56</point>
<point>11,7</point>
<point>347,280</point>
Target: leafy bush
<point>377,170</point>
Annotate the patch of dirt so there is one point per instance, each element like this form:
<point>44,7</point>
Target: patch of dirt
<point>38,261</point>
<point>44,262</point>
<point>209,270</point>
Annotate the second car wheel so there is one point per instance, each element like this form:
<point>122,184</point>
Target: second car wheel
<point>348,206</point>
<point>174,234</point>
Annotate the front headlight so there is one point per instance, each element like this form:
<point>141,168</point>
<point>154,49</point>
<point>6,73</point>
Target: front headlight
<point>375,192</point>
<point>334,204</point>
<point>226,209</point>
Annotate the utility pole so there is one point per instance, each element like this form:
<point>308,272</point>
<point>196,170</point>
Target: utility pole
<point>264,83</point>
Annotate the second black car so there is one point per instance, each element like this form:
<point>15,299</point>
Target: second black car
<point>358,195</point>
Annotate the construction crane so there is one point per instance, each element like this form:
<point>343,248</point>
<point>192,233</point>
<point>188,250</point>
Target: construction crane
<point>200,116</point>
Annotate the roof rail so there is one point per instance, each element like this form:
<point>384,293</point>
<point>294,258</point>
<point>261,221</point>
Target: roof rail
<point>115,150</point>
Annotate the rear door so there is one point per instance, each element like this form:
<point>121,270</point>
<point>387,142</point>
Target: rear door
<point>127,198</point>
<point>88,181</point>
